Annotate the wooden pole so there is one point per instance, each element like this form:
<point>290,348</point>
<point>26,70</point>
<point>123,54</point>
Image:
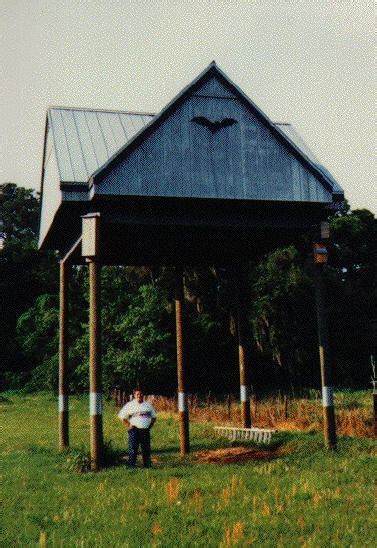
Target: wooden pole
<point>374,384</point>
<point>243,351</point>
<point>96,432</point>
<point>63,357</point>
<point>324,355</point>
<point>182,396</point>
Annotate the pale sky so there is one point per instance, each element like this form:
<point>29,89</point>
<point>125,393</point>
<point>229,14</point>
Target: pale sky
<point>308,62</point>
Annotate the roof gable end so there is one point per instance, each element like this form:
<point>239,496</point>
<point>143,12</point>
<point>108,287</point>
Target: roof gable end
<point>213,82</point>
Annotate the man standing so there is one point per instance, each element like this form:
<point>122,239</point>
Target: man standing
<point>139,416</point>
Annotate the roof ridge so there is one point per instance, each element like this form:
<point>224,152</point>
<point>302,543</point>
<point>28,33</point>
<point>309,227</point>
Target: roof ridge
<point>136,113</point>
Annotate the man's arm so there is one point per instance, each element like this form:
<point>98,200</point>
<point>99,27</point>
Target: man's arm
<point>153,415</point>
<point>126,421</point>
<point>125,416</point>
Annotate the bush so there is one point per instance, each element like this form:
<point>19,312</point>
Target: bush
<point>78,460</point>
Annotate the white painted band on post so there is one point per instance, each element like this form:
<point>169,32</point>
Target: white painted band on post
<point>327,397</point>
<point>63,403</point>
<point>243,392</point>
<point>182,401</point>
<point>95,403</point>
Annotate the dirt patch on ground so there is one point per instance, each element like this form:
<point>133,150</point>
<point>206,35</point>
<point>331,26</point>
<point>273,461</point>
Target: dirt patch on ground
<point>229,455</point>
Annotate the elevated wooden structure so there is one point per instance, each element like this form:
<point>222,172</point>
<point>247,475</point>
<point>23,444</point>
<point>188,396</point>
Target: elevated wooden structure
<point>208,180</point>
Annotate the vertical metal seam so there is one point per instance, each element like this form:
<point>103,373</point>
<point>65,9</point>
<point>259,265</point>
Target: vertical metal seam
<point>113,134</point>
<point>69,152</point>
<point>124,129</point>
<point>103,136</point>
<point>91,140</point>
<point>54,142</point>
<point>79,140</point>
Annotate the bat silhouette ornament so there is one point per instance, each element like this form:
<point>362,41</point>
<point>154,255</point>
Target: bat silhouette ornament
<point>214,125</point>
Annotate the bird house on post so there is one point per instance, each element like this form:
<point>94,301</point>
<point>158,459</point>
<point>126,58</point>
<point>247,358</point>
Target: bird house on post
<point>90,235</point>
<point>320,254</point>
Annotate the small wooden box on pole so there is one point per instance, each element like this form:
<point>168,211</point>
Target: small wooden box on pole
<point>91,250</point>
<point>90,236</point>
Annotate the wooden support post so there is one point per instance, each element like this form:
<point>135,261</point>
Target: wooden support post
<point>182,396</point>
<point>95,403</point>
<point>90,248</point>
<point>374,384</point>
<point>243,351</point>
<point>324,354</point>
<point>63,357</point>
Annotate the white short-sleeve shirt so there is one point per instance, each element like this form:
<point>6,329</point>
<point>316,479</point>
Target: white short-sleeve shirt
<point>138,414</point>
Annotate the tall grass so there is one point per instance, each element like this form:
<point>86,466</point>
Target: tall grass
<point>305,414</point>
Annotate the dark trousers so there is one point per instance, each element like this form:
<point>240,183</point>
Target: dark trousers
<point>136,437</point>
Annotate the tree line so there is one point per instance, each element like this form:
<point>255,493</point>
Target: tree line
<point>139,323</point>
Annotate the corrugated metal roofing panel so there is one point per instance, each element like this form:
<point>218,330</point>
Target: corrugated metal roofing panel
<point>61,146</point>
<point>97,138</point>
<point>86,139</point>
<point>107,132</point>
<point>87,147</point>
<point>76,155</point>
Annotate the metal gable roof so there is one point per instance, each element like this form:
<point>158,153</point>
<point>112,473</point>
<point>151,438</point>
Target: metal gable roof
<point>88,141</point>
<point>85,139</point>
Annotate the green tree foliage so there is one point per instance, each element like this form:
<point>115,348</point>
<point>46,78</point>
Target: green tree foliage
<point>19,213</point>
<point>25,273</point>
<point>282,313</point>
<point>137,334</point>
<point>38,335</point>
<point>352,294</point>
<point>144,351</point>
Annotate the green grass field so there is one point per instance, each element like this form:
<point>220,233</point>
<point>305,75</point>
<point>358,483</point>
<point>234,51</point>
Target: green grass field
<point>303,497</point>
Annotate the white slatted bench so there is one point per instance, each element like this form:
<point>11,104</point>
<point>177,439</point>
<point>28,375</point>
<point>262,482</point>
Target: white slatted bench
<point>261,435</point>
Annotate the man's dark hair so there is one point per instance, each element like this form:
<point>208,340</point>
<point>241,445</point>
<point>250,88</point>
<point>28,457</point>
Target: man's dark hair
<point>137,389</point>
